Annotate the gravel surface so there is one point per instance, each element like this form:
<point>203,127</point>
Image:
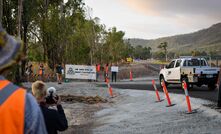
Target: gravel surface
<point>134,112</point>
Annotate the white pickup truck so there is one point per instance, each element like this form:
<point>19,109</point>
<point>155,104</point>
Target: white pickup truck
<point>192,70</point>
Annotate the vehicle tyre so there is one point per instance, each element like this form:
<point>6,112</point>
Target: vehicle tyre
<point>161,81</point>
<point>182,83</point>
<point>212,86</point>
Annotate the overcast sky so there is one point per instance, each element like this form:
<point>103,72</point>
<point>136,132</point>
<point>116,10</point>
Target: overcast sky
<point>150,19</point>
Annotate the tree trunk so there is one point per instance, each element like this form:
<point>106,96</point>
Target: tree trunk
<point>18,69</point>
<point>1,10</point>
<point>24,49</point>
<point>19,17</point>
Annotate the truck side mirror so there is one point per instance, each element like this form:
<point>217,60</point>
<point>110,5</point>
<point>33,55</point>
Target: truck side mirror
<point>166,66</point>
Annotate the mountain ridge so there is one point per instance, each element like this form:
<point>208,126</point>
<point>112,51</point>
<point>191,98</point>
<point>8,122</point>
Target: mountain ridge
<point>207,39</point>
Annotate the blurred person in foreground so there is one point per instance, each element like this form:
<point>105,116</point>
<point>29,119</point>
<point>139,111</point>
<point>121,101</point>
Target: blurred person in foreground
<point>55,120</point>
<point>19,111</point>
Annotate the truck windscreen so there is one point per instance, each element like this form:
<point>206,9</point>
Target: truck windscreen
<point>195,62</point>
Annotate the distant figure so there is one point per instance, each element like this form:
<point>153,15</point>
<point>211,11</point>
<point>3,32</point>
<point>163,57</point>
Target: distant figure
<point>41,71</point>
<point>55,120</point>
<point>98,68</point>
<point>114,70</point>
<point>19,111</point>
<point>29,72</point>
<point>59,73</point>
<point>106,72</point>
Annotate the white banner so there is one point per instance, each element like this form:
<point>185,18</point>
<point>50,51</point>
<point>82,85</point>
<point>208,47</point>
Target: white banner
<point>114,68</point>
<point>80,72</point>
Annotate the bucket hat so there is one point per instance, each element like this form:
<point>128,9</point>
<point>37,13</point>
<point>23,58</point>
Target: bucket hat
<point>10,49</point>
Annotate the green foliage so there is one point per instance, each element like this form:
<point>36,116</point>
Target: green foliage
<point>159,55</point>
<point>142,52</point>
<point>54,32</point>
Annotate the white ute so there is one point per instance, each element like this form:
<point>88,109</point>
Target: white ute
<point>192,70</point>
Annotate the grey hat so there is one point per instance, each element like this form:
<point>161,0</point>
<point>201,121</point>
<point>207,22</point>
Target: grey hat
<point>10,49</point>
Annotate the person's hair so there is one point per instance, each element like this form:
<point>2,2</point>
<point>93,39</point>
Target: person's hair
<point>39,90</point>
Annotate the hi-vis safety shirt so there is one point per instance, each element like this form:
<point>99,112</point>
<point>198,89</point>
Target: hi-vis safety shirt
<point>12,108</point>
<point>98,68</point>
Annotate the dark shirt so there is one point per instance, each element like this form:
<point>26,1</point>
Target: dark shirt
<point>59,69</point>
<point>55,120</point>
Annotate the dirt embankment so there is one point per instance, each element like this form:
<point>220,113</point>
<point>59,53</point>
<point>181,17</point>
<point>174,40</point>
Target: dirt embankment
<point>138,70</point>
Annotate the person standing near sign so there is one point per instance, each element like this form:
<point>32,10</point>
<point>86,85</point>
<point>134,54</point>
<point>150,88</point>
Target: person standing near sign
<point>114,70</point>
<point>41,71</point>
<point>59,73</point>
<point>97,71</point>
<point>106,72</point>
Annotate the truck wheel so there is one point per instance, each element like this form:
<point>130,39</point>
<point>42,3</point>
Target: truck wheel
<point>212,87</point>
<point>162,80</point>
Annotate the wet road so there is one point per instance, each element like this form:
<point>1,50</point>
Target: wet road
<point>197,92</point>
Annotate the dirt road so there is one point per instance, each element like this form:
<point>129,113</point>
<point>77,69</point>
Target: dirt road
<point>134,112</point>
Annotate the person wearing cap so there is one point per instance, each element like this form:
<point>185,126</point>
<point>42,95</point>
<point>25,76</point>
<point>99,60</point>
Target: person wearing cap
<point>55,120</point>
<point>19,111</point>
<point>59,73</point>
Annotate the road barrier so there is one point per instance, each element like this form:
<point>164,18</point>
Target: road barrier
<point>167,95</point>
<point>219,97</point>
<point>187,97</point>
<point>109,87</point>
<point>131,76</point>
<point>218,79</point>
<point>157,94</point>
<point>219,91</point>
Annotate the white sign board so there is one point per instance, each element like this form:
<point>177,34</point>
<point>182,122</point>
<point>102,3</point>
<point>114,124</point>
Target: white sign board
<point>114,68</point>
<point>80,72</point>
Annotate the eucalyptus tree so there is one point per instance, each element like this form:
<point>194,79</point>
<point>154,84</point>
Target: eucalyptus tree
<point>114,45</point>
<point>164,46</point>
<point>1,10</point>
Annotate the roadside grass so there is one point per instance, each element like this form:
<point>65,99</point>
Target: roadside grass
<point>159,62</point>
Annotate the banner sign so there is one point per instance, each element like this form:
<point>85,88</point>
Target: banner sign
<point>114,68</point>
<point>80,72</point>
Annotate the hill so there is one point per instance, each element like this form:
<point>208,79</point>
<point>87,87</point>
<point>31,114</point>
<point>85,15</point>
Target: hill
<point>203,40</point>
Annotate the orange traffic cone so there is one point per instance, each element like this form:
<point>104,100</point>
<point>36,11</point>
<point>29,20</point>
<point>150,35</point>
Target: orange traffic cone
<point>109,87</point>
<point>131,76</point>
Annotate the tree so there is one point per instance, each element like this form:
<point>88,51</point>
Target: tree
<point>53,31</point>
<point>1,10</point>
<point>20,8</point>
<point>114,45</point>
<point>164,46</point>
<point>10,13</point>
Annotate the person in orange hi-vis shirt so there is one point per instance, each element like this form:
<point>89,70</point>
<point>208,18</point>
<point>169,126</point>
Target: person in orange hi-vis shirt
<point>106,72</point>
<point>19,111</point>
<point>41,71</point>
<point>98,68</point>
